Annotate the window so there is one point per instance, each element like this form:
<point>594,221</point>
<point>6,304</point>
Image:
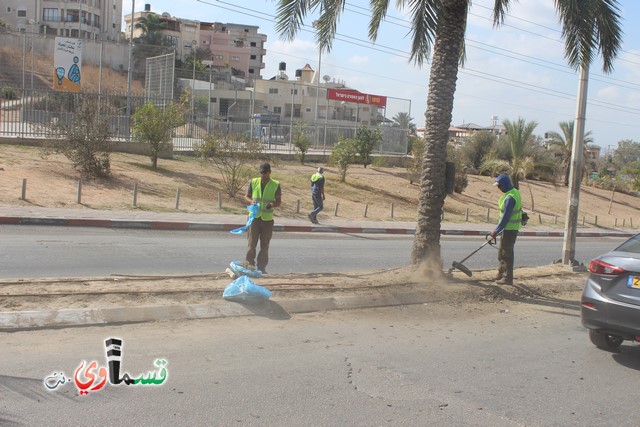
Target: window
<point>251,71</point>
<point>277,110</point>
<point>252,44</point>
<point>50,14</point>
<point>253,57</point>
<point>22,13</point>
<point>273,90</point>
<point>8,9</point>
<point>235,58</point>
<point>220,57</point>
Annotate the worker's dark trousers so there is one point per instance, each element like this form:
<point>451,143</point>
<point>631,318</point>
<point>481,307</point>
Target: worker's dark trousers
<point>506,253</point>
<point>259,230</point>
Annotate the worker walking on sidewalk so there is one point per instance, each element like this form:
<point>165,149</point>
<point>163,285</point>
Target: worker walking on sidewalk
<point>265,192</point>
<point>510,204</point>
<point>317,194</point>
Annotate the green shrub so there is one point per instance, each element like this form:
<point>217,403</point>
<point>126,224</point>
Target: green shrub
<point>8,93</point>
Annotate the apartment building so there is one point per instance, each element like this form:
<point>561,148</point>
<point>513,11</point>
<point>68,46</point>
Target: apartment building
<point>86,19</point>
<point>309,98</point>
<point>236,46</point>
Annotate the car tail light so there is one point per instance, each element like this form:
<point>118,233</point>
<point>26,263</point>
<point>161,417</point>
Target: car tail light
<point>598,266</point>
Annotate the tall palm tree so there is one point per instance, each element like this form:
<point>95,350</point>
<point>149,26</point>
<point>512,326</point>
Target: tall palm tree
<point>590,27</point>
<point>565,142</point>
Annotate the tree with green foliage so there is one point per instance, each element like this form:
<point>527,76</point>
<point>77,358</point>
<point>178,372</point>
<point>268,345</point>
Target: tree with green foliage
<point>632,171</point>
<point>589,28</point>
<point>154,126</point>
<point>366,140</point>
<point>476,147</point>
<point>152,41</point>
<point>404,121</point>
<point>343,155</point>
<point>628,151</point>
<point>564,141</point>
<point>233,156</point>
<point>300,141</point>
<point>85,140</point>
<point>519,133</point>
<point>414,163</point>
<point>455,155</point>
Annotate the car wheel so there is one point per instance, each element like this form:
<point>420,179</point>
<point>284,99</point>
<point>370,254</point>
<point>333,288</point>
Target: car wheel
<point>605,341</point>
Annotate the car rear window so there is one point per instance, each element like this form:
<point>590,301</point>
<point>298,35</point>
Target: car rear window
<point>631,245</point>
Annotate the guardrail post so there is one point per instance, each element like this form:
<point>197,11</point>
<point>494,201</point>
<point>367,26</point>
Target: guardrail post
<point>219,200</point>
<point>79,195</point>
<point>298,206</point>
<point>178,198</point>
<point>366,208</point>
<point>392,210</point>
<point>335,213</point>
<point>135,195</point>
<point>23,196</point>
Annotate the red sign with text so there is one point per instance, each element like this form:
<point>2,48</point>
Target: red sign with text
<point>357,97</point>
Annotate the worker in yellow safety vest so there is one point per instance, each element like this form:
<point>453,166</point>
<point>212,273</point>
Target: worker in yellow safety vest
<point>510,204</point>
<point>265,192</point>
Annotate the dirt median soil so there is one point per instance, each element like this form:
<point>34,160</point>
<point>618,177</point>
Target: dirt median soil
<point>549,284</point>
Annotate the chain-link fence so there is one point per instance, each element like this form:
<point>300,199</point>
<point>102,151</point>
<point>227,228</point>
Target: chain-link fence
<point>220,101</point>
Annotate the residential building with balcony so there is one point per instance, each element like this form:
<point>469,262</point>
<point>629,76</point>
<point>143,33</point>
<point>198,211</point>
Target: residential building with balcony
<point>86,19</point>
<point>236,46</point>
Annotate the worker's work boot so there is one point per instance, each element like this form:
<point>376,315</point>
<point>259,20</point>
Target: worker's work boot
<point>504,281</point>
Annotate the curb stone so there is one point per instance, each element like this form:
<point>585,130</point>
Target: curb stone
<point>29,320</point>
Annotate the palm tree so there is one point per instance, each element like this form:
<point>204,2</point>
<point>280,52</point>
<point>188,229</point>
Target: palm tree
<point>151,27</point>
<point>403,121</point>
<point>565,142</point>
<point>589,28</point>
<point>522,164</point>
<point>152,42</point>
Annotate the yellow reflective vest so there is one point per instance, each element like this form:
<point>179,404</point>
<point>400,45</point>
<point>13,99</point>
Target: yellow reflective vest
<point>269,196</point>
<point>515,221</point>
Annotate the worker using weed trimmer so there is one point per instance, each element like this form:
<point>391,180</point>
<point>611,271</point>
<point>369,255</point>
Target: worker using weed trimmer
<point>510,222</point>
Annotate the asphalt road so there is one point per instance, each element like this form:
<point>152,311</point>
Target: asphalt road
<point>488,364</point>
<point>38,251</point>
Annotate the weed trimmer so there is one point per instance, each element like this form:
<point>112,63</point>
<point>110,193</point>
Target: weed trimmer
<point>462,267</point>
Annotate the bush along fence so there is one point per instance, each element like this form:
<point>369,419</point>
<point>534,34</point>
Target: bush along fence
<point>388,211</point>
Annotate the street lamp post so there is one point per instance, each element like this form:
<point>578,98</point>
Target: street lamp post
<point>129,71</point>
<point>193,85</point>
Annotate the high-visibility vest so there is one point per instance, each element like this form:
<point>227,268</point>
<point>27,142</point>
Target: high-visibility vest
<point>269,196</point>
<point>515,221</point>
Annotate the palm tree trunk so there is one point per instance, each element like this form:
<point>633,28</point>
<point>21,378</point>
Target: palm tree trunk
<point>442,85</point>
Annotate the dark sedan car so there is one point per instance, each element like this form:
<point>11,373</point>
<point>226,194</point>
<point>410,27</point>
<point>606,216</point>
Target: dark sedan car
<point>611,296</point>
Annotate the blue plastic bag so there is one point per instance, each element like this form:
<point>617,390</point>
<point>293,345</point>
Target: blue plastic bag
<point>239,270</point>
<point>253,211</point>
<point>244,290</point>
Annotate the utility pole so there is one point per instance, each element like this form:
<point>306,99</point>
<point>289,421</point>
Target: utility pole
<point>575,173</point>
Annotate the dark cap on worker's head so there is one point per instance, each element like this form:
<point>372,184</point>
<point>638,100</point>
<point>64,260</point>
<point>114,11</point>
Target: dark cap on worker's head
<point>265,167</point>
<point>320,169</point>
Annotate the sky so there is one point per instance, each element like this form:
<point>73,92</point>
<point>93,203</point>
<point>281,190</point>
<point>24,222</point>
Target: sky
<point>515,71</point>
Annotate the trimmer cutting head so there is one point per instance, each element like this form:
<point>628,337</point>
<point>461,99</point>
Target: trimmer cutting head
<point>461,267</point>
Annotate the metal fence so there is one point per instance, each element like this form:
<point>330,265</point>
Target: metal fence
<point>30,113</point>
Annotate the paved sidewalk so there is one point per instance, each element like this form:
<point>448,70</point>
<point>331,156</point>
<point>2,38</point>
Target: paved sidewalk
<point>74,217</point>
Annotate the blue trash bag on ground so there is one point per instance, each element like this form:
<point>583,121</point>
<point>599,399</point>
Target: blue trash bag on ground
<point>253,211</point>
<point>240,270</point>
<point>244,290</point>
